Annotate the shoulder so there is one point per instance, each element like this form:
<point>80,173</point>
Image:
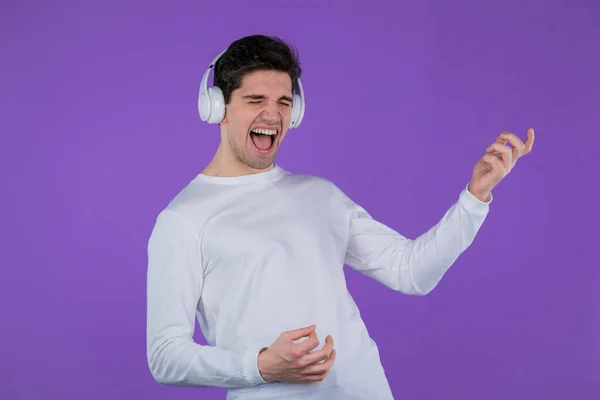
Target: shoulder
<point>313,182</point>
<point>189,209</point>
<point>321,188</point>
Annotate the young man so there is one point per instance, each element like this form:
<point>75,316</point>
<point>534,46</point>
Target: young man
<point>257,253</point>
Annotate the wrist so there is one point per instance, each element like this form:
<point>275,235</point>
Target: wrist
<point>481,195</point>
<point>261,365</point>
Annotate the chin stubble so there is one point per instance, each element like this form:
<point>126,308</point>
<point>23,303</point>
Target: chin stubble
<point>238,151</point>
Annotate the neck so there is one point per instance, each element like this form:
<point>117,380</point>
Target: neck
<point>225,164</point>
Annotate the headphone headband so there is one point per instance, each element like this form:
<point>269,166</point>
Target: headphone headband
<point>211,103</point>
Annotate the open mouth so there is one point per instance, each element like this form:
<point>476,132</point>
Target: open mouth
<point>264,139</point>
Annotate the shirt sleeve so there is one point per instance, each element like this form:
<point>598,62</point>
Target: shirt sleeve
<point>174,282</point>
<point>413,266</point>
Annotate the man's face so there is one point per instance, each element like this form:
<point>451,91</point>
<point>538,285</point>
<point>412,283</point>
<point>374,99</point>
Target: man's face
<point>257,118</point>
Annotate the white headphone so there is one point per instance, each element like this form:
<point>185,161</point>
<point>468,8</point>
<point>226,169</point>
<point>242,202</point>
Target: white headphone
<point>211,104</point>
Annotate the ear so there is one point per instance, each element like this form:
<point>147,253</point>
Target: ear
<point>224,116</point>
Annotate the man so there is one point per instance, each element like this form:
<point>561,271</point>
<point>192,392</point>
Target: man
<point>257,253</point>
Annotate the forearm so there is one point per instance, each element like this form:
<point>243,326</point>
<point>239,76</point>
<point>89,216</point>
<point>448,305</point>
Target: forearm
<point>427,258</point>
<point>174,282</point>
<point>412,266</point>
<point>179,361</point>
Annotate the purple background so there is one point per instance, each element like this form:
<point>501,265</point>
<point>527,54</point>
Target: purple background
<point>100,130</point>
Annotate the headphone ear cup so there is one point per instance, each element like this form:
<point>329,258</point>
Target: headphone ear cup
<point>217,105</point>
<point>297,111</point>
<point>204,105</point>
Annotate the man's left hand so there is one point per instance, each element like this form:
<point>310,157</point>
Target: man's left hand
<point>498,161</point>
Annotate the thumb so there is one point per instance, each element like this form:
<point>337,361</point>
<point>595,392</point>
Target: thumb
<point>301,332</point>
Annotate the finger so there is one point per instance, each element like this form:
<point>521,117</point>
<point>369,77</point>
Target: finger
<point>299,333</point>
<point>317,356</point>
<point>494,162</point>
<point>518,145</point>
<point>306,346</point>
<point>504,151</point>
<point>318,376</point>
<point>320,368</point>
<point>512,139</point>
<point>312,378</point>
<point>529,141</point>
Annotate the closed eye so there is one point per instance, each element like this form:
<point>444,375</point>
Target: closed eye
<point>282,103</point>
<point>258,98</point>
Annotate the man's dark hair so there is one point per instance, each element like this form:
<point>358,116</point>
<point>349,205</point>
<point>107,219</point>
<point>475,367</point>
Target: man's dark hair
<point>255,53</point>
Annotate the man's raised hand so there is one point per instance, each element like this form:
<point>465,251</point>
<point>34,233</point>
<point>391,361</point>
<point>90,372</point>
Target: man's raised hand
<point>497,162</point>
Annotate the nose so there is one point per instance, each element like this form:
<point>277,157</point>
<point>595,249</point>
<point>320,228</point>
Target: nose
<point>271,111</point>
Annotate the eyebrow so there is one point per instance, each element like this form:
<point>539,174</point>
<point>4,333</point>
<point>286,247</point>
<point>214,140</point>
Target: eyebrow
<point>262,97</point>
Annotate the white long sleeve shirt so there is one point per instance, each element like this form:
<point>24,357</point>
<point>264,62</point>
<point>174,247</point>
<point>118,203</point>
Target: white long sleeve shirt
<point>254,256</point>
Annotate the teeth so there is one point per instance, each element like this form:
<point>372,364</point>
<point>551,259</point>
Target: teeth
<point>269,132</point>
